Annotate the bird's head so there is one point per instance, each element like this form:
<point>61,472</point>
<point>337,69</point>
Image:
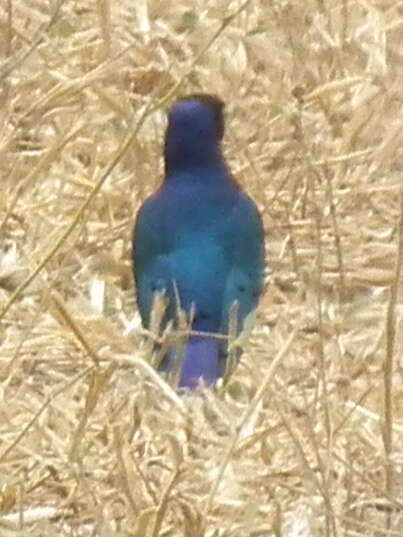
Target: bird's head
<point>195,130</point>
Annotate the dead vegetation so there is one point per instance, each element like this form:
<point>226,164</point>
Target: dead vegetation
<point>307,437</point>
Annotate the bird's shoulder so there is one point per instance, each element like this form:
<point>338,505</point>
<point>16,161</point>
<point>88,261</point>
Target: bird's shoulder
<point>224,213</point>
<point>187,200</point>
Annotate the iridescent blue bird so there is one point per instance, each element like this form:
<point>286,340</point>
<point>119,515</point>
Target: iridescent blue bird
<point>199,239</point>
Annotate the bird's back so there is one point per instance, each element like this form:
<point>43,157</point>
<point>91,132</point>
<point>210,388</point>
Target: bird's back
<point>198,237</point>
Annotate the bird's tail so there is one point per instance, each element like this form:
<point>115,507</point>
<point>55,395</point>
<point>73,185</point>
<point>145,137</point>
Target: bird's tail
<point>200,360</point>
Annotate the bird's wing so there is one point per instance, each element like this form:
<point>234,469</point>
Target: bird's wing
<point>152,272</point>
<point>243,238</point>
<point>185,263</point>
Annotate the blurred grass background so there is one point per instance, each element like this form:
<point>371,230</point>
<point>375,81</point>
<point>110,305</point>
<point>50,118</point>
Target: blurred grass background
<point>307,437</point>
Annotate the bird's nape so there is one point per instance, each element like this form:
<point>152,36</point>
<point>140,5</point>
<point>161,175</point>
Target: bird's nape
<point>194,133</point>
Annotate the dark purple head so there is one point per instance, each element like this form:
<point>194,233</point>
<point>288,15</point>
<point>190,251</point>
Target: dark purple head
<point>194,133</point>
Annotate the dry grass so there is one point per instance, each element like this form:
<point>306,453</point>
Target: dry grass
<point>307,437</point>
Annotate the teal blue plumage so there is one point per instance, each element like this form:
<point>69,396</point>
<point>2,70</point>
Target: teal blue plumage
<point>199,238</point>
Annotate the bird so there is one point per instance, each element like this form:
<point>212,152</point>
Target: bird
<point>198,241</point>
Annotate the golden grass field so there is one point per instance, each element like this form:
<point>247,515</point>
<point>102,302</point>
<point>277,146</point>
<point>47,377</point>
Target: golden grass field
<point>306,438</point>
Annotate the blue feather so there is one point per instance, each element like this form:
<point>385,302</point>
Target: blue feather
<point>199,238</point>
